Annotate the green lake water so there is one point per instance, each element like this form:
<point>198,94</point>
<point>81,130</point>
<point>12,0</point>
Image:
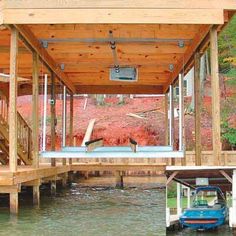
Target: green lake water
<point>89,211</point>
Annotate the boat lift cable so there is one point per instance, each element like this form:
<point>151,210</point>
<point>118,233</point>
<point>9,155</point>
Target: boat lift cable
<point>114,52</point>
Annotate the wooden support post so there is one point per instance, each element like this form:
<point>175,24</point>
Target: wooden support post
<point>181,118</point>
<point>233,209</point>
<point>71,122</point>
<point>179,199</point>
<point>36,193</point>
<point>54,185</point>
<point>215,90</point>
<point>172,123</point>
<point>14,203</point>
<point>53,118</point>
<point>188,197</point>
<point>167,209</point>
<point>119,179</point>
<point>12,106</point>
<point>197,107</point>
<point>64,119</point>
<point>166,120</point>
<point>64,179</point>
<point>86,174</point>
<point>166,124</point>
<point>70,176</point>
<point>35,111</point>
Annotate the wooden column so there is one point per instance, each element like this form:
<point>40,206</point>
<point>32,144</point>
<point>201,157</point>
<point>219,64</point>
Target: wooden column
<point>14,202</point>
<point>35,109</point>
<point>53,118</point>
<point>197,108</point>
<point>233,209</point>
<point>166,124</point>
<point>166,121</point>
<point>36,193</point>
<point>181,118</point>
<point>64,179</point>
<point>13,102</point>
<point>179,199</point>
<point>172,122</point>
<point>215,90</point>
<point>64,119</point>
<point>119,179</point>
<point>71,122</point>
<point>54,185</point>
<point>188,197</point>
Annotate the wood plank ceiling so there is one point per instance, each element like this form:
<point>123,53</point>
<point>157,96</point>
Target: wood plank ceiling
<point>87,64</point>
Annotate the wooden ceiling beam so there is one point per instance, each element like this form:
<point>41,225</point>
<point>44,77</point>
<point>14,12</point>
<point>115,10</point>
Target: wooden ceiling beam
<point>26,89</point>
<point>82,48</point>
<point>138,4</point>
<point>119,89</point>
<point>43,54</point>
<point>113,16</point>
<point>96,48</point>
<point>6,49</point>
<point>103,62</point>
<point>25,69</point>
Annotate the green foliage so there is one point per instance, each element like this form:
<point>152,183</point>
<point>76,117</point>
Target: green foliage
<point>231,74</point>
<point>172,190</point>
<point>227,46</point>
<point>228,134</point>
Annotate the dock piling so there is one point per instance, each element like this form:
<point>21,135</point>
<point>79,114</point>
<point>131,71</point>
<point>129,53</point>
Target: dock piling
<point>119,179</point>
<point>14,203</point>
<point>54,186</point>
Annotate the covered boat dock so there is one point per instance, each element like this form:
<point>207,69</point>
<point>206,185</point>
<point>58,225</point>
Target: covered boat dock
<point>66,48</point>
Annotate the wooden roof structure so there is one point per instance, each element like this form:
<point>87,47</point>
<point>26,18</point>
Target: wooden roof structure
<point>220,176</point>
<point>157,37</point>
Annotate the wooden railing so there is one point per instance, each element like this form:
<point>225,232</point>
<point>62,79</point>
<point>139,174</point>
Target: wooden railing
<point>24,135</point>
<point>3,109</point>
<point>24,132</point>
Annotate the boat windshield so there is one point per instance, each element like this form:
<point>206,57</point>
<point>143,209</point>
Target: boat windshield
<point>208,199</point>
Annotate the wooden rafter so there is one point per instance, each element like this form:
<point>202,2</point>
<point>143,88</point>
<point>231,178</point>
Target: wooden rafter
<point>226,175</point>
<point>43,54</point>
<point>171,177</point>
<point>188,55</point>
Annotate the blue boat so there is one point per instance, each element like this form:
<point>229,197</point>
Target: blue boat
<point>208,211</point>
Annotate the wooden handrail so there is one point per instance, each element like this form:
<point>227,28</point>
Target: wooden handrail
<point>24,131</point>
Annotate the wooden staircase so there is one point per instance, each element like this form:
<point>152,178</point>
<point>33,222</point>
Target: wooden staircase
<point>24,148</point>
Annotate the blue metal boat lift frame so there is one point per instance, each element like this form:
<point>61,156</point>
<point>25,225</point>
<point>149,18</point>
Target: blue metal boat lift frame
<point>115,152</point>
<point>125,151</point>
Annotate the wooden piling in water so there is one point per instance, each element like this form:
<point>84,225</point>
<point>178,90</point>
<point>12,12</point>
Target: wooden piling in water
<point>54,186</point>
<point>119,179</point>
<point>14,202</point>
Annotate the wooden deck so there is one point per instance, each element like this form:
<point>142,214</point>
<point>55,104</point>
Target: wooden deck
<point>28,173</point>
<point>45,170</point>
